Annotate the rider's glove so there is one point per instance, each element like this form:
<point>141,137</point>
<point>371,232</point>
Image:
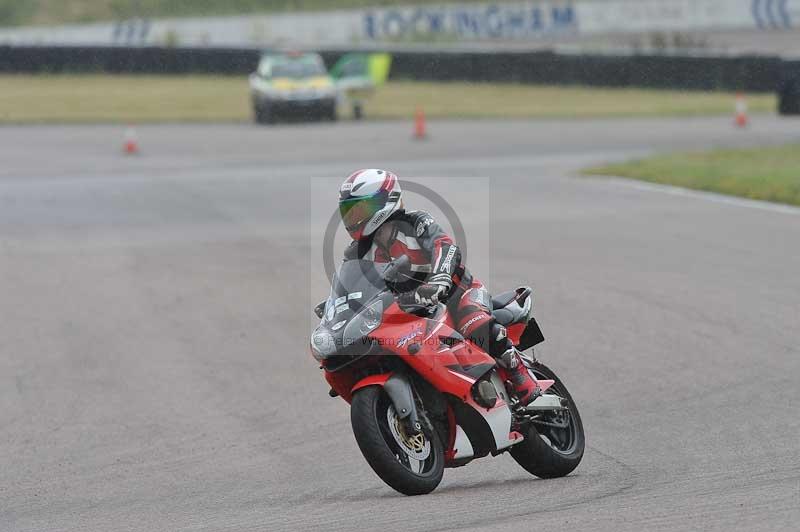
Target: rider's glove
<point>428,294</point>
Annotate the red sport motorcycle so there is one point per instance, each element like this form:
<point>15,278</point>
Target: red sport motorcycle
<point>423,397</point>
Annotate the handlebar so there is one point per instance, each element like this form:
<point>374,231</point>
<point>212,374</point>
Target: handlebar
<point>390,274</point>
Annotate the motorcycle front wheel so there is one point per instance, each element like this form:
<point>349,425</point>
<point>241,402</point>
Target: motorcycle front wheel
<point>412,465</point>
<point>553,445</point>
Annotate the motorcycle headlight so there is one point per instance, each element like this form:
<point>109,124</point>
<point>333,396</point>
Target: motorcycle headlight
<point>323,344</point>
<point>363,323</point>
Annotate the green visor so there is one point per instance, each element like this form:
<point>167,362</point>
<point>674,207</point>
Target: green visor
<point>356,212</point>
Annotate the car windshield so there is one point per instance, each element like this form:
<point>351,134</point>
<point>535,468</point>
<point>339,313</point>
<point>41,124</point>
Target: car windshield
<point>297,69</point>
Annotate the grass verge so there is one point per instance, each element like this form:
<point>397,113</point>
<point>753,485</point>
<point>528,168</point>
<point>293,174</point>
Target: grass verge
<point>769,173</point>
<point>511,100</point>
<point>102,98</point>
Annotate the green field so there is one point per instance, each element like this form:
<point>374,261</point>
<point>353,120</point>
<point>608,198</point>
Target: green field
<point>101,98</point>
<point>511,100</point>
<point>19,12</point>
<point>771,174</point>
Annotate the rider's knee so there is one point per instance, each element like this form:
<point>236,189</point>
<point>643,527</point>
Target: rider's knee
<point>498,339</point>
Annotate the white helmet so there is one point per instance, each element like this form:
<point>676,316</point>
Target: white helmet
<point>366,199</point>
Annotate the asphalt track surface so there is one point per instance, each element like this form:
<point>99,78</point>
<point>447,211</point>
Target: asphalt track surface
<point>154,371</point>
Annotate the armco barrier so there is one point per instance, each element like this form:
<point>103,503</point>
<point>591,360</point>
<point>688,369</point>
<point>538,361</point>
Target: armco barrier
<point>749,73</point>
<point>758,73</point>
<point>789,89</point>
<point>125,60</point>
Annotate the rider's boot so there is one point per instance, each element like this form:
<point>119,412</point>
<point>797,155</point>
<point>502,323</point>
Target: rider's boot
<point>521,380</point>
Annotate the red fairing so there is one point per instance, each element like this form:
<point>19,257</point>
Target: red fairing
<point>515,332</point>
<point>341,382</point>
<point>444,367</point>
<point>451,370</point>
<point>379,379</point>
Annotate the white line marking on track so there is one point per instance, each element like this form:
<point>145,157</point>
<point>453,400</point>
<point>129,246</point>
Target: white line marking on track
<point>707,196</point>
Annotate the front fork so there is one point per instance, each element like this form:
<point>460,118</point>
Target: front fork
<point>401,394</point>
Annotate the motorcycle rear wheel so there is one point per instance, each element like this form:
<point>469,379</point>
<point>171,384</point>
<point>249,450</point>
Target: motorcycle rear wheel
<point>371,414</point>
<point>547,451</point>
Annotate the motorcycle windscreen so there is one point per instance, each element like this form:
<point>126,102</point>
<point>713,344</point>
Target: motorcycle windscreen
<point>353,286</point>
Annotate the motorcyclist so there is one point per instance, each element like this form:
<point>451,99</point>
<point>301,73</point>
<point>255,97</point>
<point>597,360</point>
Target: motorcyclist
<point>370,203</point>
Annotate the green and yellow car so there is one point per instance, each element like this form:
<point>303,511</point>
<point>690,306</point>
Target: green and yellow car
<point>292,85</point>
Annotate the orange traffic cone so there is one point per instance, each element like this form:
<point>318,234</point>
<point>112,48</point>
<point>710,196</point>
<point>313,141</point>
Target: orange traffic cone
<point>131,146</point>
<point>419,124</point>
<point>741,110</point>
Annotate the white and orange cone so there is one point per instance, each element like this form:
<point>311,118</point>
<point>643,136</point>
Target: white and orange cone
<point>741,110</point>
<point>420,132</point>
<point>131,145</point>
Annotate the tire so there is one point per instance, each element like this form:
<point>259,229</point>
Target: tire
<point>330,113</point>
<point>562,451</point>
<point>368,415</point>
